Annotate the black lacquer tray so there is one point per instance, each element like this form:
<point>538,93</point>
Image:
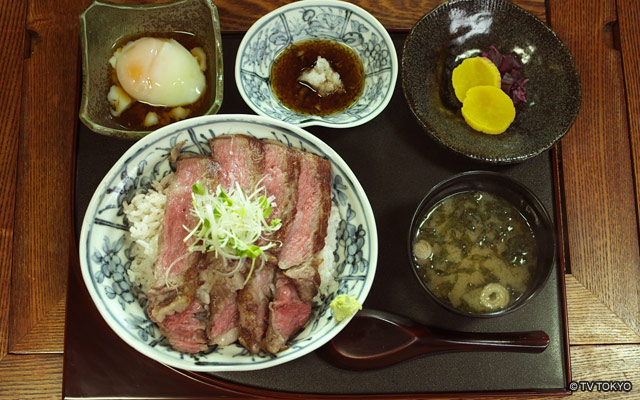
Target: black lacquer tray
<point>397,164</point>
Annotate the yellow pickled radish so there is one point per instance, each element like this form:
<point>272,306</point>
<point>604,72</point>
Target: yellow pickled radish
<point>488,109</point>
<point>474,71</point>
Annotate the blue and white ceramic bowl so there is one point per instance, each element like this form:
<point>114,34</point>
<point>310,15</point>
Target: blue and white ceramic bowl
<point>105,251</point>
<point>328,19</point>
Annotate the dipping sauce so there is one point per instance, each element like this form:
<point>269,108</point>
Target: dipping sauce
<point>475,252</point>
<point>301,97</point>
<point>134,115</point>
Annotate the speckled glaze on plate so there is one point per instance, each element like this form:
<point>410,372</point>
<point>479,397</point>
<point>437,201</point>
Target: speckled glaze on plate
<point>460,29</point>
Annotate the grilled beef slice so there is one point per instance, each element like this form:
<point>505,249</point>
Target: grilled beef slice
<point>199,300</point>
<point>280,181</point>
<point>241,160</point>
<point>297,282</point>
<point>306,278</point>
<point>173,301</point>
<point>185,330</point>
<point>309,227</point>
<point>287,314</point>
<point>223,326</point>
<point>253,307</point>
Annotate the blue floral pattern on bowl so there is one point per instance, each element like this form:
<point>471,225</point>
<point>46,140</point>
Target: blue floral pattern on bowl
<point>105,251</point>
<point>329,19</point>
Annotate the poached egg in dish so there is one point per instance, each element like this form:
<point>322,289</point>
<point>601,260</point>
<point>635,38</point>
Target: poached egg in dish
<point>160,72</point>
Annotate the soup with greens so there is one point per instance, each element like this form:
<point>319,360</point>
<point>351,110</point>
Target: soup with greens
<point>475,251</point>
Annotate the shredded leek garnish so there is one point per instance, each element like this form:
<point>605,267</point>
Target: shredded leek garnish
<point>230,224</point>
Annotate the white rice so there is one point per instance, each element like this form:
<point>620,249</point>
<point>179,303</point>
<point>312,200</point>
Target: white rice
<point>327,268</point>
<point>145,214</point>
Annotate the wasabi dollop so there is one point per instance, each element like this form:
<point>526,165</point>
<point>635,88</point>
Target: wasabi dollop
<point>344,306</point>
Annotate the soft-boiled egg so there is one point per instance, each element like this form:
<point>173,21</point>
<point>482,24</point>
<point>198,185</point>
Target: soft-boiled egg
<point>159,72</point>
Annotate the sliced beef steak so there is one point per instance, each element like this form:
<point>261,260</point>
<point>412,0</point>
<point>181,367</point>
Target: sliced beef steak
<point>298,281</point>
<point>172,249</point>
<point>173,301</point>
<point>224,325</point>
<point>280,181</point>
<point>200,299</point>
<point>306,279</point>
<point>309,227</point>
<point>241,160</point>
<point>253,307</point>
<point>287,315</point>
<point>185,330</point>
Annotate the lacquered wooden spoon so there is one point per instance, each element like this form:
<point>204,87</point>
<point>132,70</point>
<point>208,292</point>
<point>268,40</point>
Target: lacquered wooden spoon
<point>375,339</point>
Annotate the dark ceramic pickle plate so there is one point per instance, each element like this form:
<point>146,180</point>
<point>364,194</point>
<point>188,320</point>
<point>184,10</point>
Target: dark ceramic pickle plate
<point>396,165</point>
<point>460,29</point>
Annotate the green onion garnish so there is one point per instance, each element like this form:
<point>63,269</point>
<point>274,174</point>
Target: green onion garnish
<point>230,224</point>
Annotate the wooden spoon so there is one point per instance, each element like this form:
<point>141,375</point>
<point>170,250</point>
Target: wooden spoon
<point>375,339</point>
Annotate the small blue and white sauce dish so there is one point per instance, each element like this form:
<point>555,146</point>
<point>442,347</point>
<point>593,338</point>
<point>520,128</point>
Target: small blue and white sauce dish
<point>317,62</point>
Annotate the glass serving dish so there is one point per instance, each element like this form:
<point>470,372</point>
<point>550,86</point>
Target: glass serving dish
<point>103,27</point>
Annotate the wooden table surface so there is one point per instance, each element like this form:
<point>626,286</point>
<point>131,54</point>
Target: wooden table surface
<point>599,172</point>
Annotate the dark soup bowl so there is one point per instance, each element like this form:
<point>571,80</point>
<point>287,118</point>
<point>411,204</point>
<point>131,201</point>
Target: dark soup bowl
<point>481,244</point>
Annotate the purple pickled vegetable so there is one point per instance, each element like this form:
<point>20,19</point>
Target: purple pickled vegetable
<point>510,67</point>
<point>510,62</point>
<point>494,55</point>
<point>507,82</point>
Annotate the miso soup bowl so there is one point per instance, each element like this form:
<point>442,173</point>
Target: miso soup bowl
<point>520,197</point>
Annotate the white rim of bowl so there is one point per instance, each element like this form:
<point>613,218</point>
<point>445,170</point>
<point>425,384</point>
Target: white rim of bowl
<point>361,12</point>
<point>152,353</point>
